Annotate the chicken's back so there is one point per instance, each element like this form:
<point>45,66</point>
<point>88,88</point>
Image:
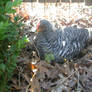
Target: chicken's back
<point>75,40</point>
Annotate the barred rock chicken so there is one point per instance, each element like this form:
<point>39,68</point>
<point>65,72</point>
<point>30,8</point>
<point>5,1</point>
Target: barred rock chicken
<point>67,43</point>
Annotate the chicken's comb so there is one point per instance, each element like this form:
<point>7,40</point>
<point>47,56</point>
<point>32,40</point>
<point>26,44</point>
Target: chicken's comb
<point>38,26</point>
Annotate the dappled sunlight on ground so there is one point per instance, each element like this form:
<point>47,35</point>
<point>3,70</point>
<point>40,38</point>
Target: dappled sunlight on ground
<point>63,10</point>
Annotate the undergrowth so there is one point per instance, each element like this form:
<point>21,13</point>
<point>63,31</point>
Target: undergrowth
<point>11,41</point>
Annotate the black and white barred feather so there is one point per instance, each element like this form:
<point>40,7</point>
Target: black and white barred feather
<point>65,43</point>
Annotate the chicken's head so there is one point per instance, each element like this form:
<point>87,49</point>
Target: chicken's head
<point>43,26</point>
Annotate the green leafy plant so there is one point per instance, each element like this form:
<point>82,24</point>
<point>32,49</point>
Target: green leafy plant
<point>11,42</point>
<point>49,57</point>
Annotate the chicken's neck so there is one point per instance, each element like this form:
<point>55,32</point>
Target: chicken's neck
<point>48,33</point>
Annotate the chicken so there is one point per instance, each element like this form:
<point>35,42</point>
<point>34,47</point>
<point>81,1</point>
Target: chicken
<point>67,43</point>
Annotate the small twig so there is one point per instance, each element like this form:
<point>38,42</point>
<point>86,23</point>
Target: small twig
<point>28,87</point>
<point>36,48</point>
<point>30,83</point>
<point>78,79</point>
<point>20,71</point>
<point>39,58</point>
<point>66,78</point>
